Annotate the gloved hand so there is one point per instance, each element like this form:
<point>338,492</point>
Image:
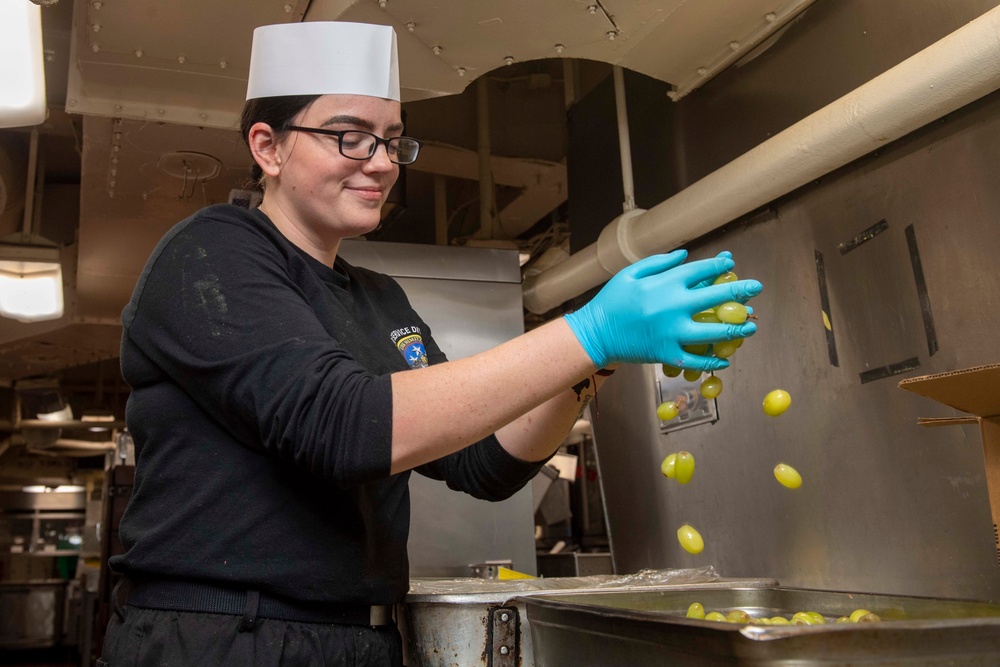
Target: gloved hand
<point>643,314</point>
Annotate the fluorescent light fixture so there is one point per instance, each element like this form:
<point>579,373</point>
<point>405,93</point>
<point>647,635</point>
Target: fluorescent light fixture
<point>62,488</point>
<point>22,68</point>
<point>30,283</point>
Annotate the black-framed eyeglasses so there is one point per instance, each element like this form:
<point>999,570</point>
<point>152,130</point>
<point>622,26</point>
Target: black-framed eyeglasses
<point>359,145</point>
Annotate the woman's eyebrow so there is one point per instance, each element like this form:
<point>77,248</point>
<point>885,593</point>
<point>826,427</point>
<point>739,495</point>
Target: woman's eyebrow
<point>360,122</point>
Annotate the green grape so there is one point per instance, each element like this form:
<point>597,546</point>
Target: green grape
<point>726,278</point>
<point>776,402</point>
<point>667,411</point>
<point>739,342</point>
<point>711,387</point>
<point>732,312</point>
<point>715,616</point>
<point>700,350</point>
<point>691,374</point>
<point>817,618</point>
<point>691,540</point>
<point>763,620</point>
<point>802,618</point>
<point>869,618</point>
<point>858,613</point>
<point>671,371</point>
<point>787,476</point>
<point>779,620</point>
<point>684,467</point>
<point>726,348</point>
<point>696,610</point>
<point>738,616</point>
<point>706,317</point>
<point>668,466</point>
<point>844,619</point>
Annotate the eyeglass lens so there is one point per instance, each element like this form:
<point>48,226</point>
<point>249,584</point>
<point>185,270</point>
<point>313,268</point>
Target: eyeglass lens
<point>362,145</point>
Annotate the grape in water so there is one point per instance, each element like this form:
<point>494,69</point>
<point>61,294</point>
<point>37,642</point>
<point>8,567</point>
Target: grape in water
<point>696,610</point>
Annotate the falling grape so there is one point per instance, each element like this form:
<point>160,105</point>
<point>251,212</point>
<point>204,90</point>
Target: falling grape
<point>787,476</point>
<point>696,610</point>
<point>691,375</point>
<point>777,402</point>
<point>691,540</point>
<point>667,411</point>
<point>684,467</point>
<point>727,277</point>
<point>668,465</point>
<point>671,371</point>
<point>732,312</point>
<point>711,387</point>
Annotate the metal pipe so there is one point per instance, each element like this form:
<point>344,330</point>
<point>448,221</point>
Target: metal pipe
<point>29,193</point>
<point>483,147</point>
<point>624,143</point>
<point>947,75</point>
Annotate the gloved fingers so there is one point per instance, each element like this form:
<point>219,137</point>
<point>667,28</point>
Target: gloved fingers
<point>713,333</point>
<point>699,362</point>
<point>655,264</point>
<point>713,295</point>
<point>703,270</point>
<point>725,254</point>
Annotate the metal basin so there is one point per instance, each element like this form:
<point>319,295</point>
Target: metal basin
<point>483,622</point>
<point>650,627</point>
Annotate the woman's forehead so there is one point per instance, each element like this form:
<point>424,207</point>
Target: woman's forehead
<point>375,110</point>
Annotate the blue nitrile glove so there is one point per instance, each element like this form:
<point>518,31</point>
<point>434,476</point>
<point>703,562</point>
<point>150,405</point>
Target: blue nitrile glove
<point>643,314</point>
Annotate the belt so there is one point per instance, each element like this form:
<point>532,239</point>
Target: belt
<point>173,595</point>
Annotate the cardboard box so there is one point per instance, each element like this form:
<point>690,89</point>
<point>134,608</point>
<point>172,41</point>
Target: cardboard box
<point>977,392</point>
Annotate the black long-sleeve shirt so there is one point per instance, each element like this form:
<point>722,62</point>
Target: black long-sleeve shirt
<point>261,410</point>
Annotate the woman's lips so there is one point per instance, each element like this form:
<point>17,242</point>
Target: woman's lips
<point>372,194</point>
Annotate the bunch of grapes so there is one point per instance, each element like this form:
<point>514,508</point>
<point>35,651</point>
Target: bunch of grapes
<point>697,611</point>
<point>680,465</point>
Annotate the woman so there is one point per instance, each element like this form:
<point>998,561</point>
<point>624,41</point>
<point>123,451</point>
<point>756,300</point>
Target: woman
<point>276,412</point>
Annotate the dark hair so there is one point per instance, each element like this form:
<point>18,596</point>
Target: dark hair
<point>277,112</point>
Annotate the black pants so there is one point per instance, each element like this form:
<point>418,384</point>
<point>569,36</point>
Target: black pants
<point>151,637</point>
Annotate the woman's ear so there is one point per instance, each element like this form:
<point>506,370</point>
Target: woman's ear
<point>263,143</point>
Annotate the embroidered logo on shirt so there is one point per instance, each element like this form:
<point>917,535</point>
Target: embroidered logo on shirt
<point>411,345</point>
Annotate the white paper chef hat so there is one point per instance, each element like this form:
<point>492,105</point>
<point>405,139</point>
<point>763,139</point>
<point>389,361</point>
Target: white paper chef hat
<point>324,58</point>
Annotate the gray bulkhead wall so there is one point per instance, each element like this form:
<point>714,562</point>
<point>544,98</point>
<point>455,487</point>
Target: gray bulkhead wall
<point>906,241</point>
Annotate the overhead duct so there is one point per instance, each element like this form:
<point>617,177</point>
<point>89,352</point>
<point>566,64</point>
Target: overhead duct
<point>946,76</point>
